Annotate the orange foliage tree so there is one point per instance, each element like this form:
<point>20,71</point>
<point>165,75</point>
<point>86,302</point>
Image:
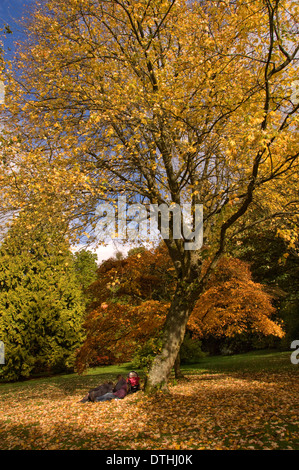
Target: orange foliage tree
<point>233,304</point>
<point>131,299</point>
<point>132,296</point>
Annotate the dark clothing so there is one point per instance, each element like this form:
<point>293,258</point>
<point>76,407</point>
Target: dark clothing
<point>98,391</point>
<point>101,390</point>
<point>119,392</point>
<point>107,396</point>
<point>120,384</point>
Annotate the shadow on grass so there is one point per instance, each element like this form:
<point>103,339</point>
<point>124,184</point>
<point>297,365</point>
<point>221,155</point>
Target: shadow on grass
<point>68,384</point>
<point>209,411</point>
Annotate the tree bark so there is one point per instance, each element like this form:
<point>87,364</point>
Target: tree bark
<point>181,307</point>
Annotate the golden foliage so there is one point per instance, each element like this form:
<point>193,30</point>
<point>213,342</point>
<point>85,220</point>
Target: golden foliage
<point>234,304</point>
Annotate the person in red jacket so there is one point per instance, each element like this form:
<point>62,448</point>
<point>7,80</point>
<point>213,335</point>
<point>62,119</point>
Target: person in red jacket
<point>119,392</point>
<point>133,382</point>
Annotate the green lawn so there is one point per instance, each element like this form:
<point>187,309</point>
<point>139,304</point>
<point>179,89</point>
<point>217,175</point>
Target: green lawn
<point>247,401</point>
<point>256,361</point>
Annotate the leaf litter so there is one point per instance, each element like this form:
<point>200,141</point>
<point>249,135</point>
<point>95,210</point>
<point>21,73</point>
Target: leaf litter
<point>202,411</point>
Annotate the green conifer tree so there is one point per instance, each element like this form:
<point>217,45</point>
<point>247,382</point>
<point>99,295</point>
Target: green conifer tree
<point>41,302</point>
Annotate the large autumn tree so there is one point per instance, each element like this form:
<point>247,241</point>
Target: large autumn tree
<point>165,101</point>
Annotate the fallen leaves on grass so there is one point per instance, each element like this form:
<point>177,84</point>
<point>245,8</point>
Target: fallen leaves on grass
<point>209,411</point>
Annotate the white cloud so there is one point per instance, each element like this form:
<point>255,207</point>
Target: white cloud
<point>105,251</point>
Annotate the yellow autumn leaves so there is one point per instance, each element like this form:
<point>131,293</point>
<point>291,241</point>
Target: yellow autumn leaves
<point>206,411</point>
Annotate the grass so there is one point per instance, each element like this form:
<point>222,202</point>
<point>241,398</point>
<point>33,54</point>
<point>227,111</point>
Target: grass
<point>71,382</point>
<point>246,401</point>
<point>255,361</point>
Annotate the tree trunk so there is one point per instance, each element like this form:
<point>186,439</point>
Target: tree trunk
<point>181,307</point>
<point>177,367</point>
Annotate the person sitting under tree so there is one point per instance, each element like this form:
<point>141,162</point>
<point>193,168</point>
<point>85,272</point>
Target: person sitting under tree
<point>119,392</point>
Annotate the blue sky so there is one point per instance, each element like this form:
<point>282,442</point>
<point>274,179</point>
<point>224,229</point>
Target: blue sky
<point>11,11</point>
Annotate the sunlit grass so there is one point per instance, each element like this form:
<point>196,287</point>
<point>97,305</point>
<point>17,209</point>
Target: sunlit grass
<point>247,401</point>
